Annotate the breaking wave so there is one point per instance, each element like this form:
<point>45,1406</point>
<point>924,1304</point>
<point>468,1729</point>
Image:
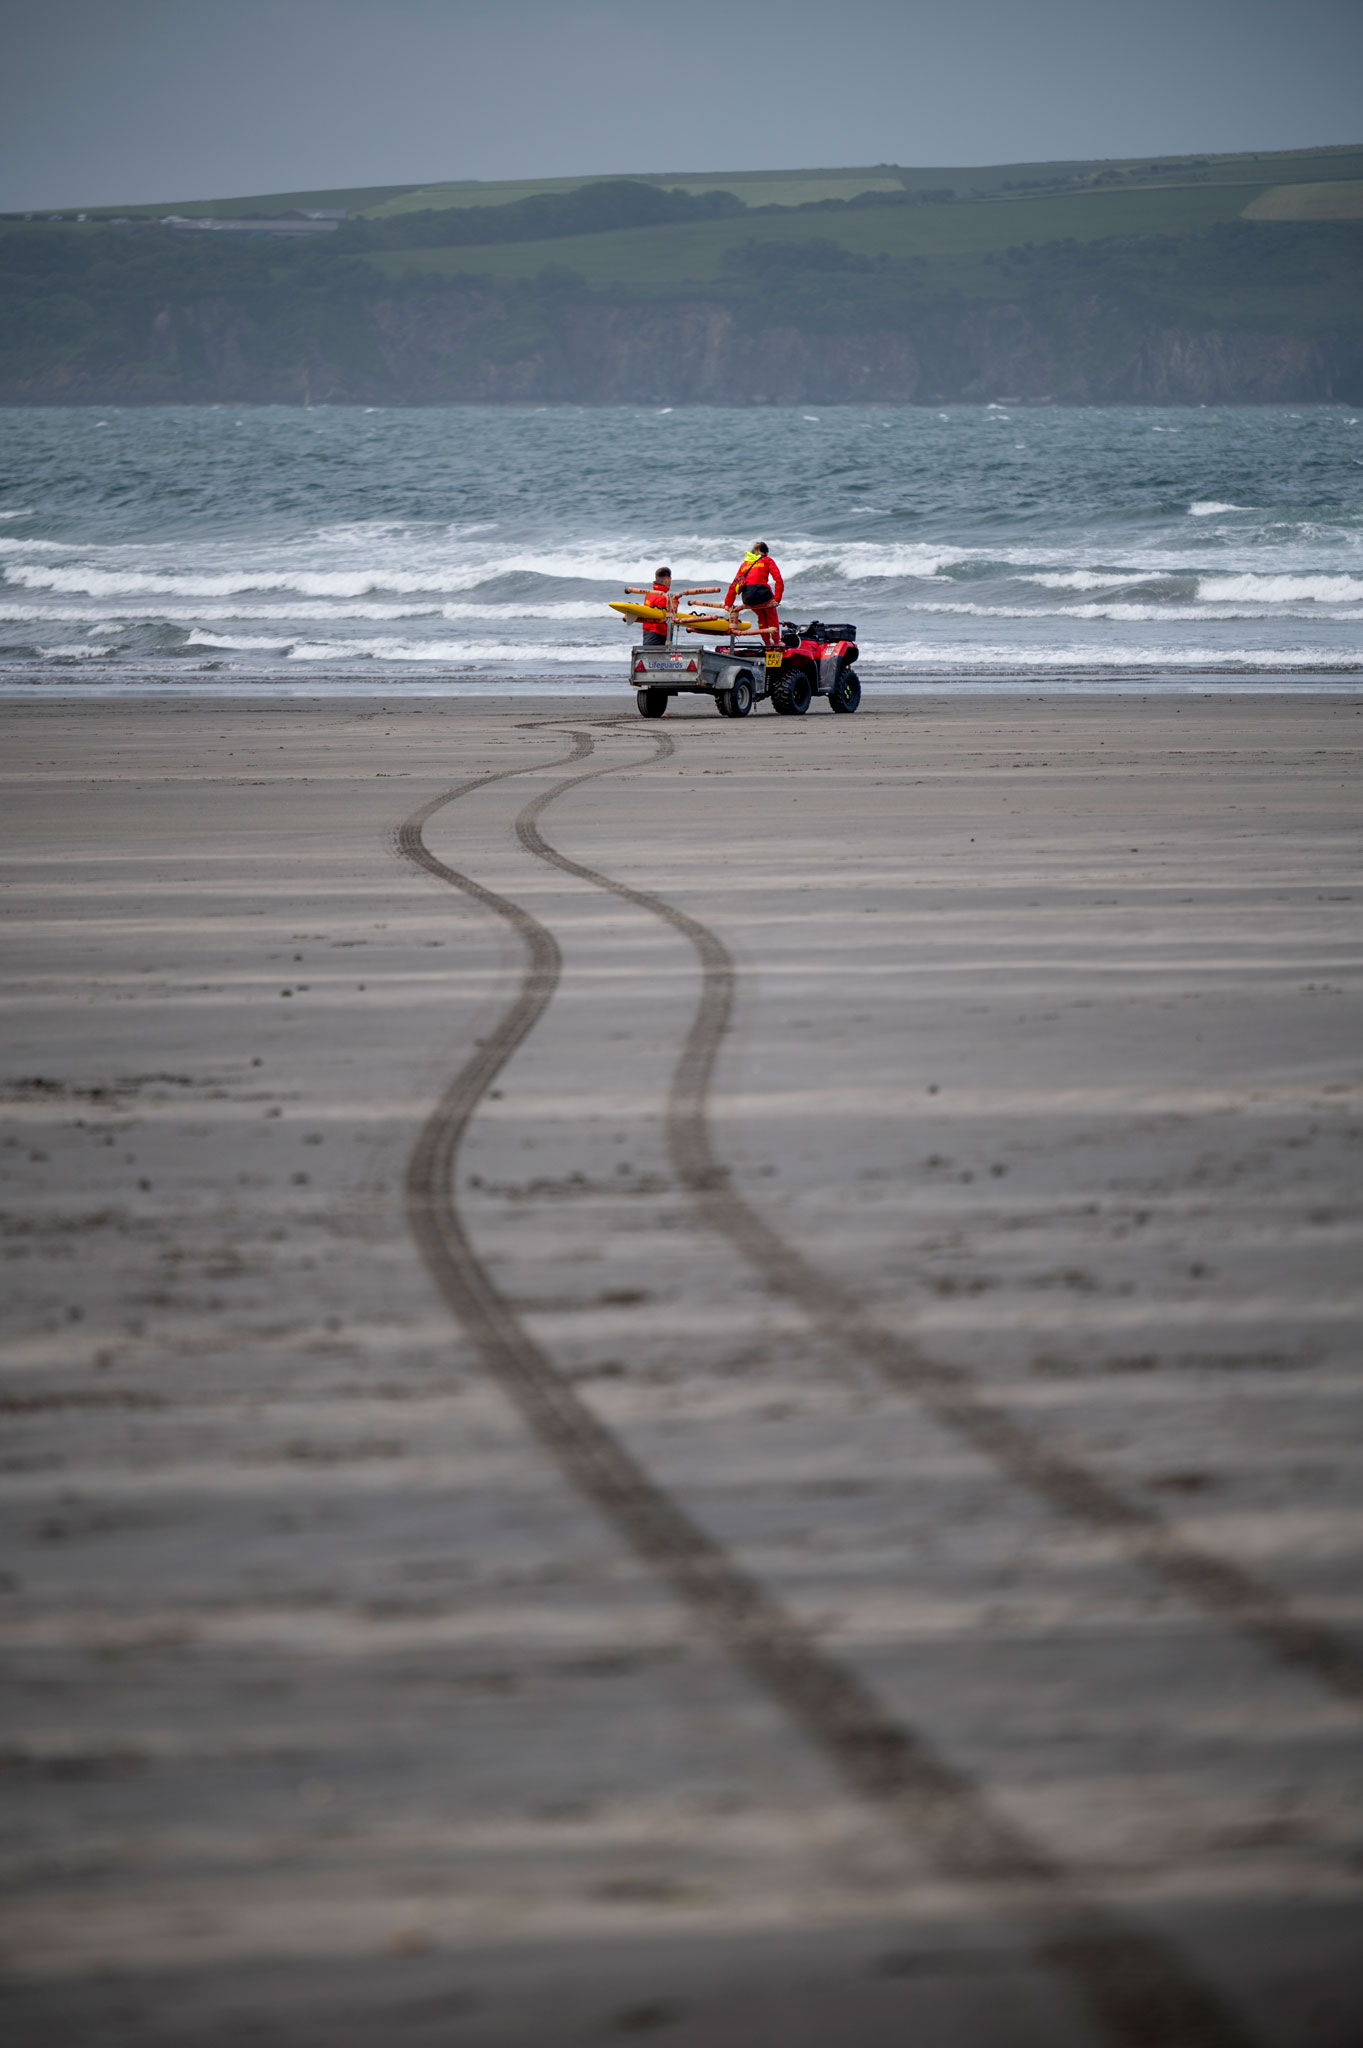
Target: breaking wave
<point>1092,579</point>
<point>1255,589</point>
<point>1003,657</point>
<point>452,652</point>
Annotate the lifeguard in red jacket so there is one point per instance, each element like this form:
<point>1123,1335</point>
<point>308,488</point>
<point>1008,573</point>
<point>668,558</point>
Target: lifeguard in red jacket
<point>759,586</point>
<point>660,597</point>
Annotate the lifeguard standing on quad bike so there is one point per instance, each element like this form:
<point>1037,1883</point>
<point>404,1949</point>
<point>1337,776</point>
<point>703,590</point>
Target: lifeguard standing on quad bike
<point>759,586</point>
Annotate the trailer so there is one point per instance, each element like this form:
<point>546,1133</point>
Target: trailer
<point>812,661</point>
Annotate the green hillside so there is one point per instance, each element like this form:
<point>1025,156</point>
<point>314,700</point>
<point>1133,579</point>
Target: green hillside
<point>697,252</point>
<point>754,188</point>
<point>256,205</point>
<point>1184,280</point>
<point>782,187</point>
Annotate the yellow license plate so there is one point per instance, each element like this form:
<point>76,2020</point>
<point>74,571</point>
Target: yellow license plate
<point>774,658</point>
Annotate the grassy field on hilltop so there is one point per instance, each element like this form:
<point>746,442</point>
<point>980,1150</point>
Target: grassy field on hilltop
<point>349,199</point>
<point>708,251</point>
<point>754,188</point>
<point>806,186</point>
<point>1341,199</point>
<point>797,187</point>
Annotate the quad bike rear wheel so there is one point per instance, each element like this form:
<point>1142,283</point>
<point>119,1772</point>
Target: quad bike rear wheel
<point>845,694</point>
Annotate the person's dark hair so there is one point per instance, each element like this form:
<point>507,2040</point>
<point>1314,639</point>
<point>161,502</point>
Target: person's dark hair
<point>661,572</point>
<point>760,546</point>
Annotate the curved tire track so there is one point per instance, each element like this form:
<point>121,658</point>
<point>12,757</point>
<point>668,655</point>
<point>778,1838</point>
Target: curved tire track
<point>1136,1985</point>
<point>951,1393</point>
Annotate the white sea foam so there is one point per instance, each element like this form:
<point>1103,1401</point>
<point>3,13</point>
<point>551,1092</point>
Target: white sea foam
<point>302,611</point>
<point>457,651</point>
<point>855,562</point>
<point>863,561</point>
<point>381,649</point>
<point>190,615</point>
<point>338,583</point>
<point>361,532</point>
<point>966,655</point>
<point>239,643</point>
<point>1115,609</point>
<point>1259,589</point>
<point>81,651</point>
<point>1092,579</point>
<point>1207,508</point>
<point>403,570</point>
<point>569,608</point>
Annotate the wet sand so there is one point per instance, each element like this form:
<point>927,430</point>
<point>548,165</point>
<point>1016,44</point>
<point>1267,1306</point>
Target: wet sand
<point>843,1526</point>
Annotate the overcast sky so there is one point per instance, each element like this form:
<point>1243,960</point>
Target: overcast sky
<point>109,101</point>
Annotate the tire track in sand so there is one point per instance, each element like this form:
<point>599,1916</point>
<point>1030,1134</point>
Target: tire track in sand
<point>1136,1985</point>
<point>950,1393</point>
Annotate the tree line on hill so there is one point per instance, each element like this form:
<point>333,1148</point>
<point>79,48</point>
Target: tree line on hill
<point>544,216</point>
<point>590,209</point>
<point>106,315</point>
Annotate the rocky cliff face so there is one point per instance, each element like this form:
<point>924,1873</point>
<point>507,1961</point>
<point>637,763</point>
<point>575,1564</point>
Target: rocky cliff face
<point>696,352</point>
<point>472,346</point>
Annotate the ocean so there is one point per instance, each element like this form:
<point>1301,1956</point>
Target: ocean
<point>471,550</point>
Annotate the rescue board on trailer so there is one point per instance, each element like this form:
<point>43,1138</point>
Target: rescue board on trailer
<point>647,614</point>
<point>653,615</point>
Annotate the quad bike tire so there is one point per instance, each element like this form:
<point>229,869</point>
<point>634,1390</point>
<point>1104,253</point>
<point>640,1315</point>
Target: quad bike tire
<point>652,703</point>
<point>790,692</point>
<point>845,694</point>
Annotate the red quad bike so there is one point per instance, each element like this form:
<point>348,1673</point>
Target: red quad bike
<point>816,662</point>
<point>812,661</point>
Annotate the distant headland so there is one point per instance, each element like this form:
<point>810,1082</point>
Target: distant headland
<point>1189,280</point>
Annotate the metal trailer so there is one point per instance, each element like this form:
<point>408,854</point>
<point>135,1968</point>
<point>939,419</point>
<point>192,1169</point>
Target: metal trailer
<point>741,672</point>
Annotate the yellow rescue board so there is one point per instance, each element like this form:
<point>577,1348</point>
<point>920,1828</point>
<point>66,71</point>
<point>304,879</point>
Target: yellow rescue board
<point>647,614</point>
<point>653,615</point>
<point>698,625</point>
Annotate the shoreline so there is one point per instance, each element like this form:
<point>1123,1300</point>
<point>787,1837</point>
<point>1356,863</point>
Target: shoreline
<point>1297,685</point>
<point>651,406</point>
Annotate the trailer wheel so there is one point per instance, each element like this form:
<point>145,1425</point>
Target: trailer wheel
<point>791,691</point>
<point>737,700</point>
<point>845,694</point>
<point>652,703</point>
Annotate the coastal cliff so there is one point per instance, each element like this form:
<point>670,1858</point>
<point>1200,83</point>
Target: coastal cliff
<point>700,352</point>
<point>475,345</point>
<point>1193,284</point>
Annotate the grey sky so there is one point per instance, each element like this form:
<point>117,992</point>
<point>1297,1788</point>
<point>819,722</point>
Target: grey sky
<point>107,101</point>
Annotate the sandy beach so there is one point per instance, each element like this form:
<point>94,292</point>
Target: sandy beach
<point>689,1379</point>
